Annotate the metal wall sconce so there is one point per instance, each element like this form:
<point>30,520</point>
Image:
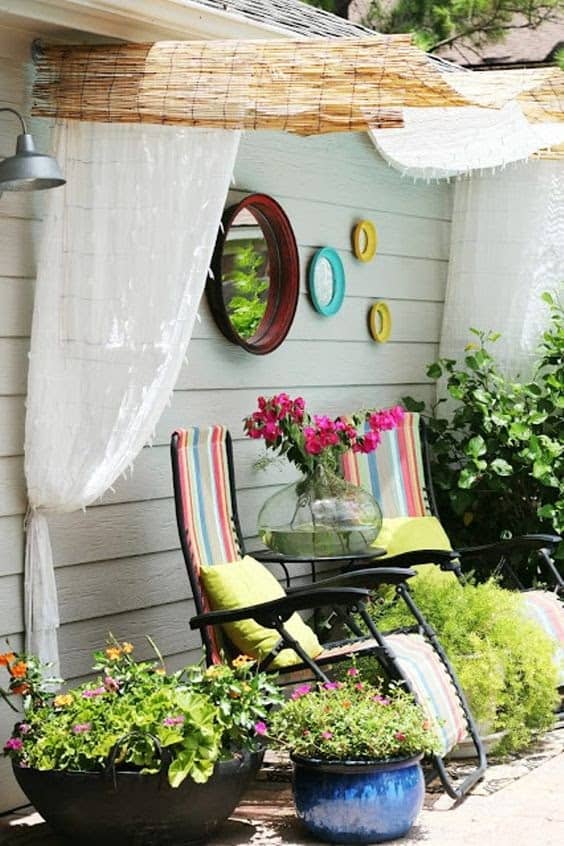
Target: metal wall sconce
<point>28,170</point>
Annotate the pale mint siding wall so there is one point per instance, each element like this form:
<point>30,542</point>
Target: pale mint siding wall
<point>118,564</point>
<point>19,223</point>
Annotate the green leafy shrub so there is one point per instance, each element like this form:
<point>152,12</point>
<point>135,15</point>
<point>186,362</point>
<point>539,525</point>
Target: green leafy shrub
<point>352,719</point>
<point>197,716</point>
<point>504,661</point>
<point>498,462</point>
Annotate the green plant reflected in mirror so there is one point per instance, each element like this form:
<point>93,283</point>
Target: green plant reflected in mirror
<point>245,274</point>
<point>254,285</point>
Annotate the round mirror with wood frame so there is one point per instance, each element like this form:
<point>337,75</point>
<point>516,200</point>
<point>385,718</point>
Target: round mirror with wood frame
<point>253,293</point>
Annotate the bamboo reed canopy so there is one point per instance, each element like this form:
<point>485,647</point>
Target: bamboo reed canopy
<point>302,86</point>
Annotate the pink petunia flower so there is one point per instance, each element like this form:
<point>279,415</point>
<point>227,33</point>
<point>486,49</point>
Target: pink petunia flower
<point>111,685</point>
<point>174,721</point>
<point>90,694</point>
<point>333,685</point>
<point>399,735</point>
<point>299,691</point>
<point>81,728</point>
<point>260,727</point>
<point>14,744</point>
<point>352,671</point>
<point>326,735</point>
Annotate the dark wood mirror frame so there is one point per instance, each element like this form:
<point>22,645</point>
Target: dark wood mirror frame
<point>284,282</point>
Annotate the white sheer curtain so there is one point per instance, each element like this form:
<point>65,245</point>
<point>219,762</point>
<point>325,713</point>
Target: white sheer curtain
<point>440,143</point>
<point>507,247</point>
<point>125,250</point>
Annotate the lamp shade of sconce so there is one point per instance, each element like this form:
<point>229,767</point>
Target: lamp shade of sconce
<point>28,170</point>
<point>380,321</point>
<point>365,240</point>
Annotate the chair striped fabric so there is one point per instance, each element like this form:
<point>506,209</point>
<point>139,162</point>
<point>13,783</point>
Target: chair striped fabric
<point>394,473</point>
<point>206,495</point>
<point>432,686</point>
<point>546,609</point>
<point>207,522</point>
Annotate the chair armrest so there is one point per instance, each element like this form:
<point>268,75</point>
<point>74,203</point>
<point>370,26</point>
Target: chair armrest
<point>269,614</point>
<point>445,558</point>
<point>369,579</point>
<point>523,542</point>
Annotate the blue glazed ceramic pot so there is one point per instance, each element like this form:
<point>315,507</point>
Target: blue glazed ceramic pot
<point>358,801</point>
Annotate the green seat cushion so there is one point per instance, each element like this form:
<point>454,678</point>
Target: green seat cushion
<point>248,582</point>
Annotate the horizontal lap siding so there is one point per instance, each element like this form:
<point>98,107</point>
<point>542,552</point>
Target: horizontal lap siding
<point>19,228</point>
<point>118,564</point>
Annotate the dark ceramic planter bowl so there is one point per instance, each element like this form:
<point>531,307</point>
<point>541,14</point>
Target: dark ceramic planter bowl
<point>136,809</point>
<point>358,801</point>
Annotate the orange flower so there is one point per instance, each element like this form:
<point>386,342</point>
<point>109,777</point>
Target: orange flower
<point>113,653</point>
<point>6,658</point>
<point>18,670</point>
<point>346,703</point>
<point>127,647</point>
<point>242,661</point>
<point>21,689</point>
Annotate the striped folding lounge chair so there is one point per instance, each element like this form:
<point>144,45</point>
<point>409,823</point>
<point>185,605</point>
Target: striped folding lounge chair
<point>398,476</point>
<point>210,535</point>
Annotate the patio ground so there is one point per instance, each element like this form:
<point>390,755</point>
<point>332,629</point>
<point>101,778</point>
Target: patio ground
<point>518,804</point>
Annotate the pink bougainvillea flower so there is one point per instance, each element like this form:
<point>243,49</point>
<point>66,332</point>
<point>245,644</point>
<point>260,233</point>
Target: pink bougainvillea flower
<point>14,744</point>
<point>260,727</point>
<point>300,690</point>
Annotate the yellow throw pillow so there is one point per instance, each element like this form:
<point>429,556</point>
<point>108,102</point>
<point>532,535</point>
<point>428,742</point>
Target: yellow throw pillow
<point>248,582</point>
<point>407,534</point>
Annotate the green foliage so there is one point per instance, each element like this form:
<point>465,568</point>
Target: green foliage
<point>196,716</point>
<point>498,462</point>
<point>352,719</point>
<point>439,22</point>
<point>247,307</point>
<point>505,662</point>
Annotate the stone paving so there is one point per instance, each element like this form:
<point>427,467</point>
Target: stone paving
<point>519,803</point>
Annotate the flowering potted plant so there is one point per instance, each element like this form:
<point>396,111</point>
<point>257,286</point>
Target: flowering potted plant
<point>138,755</point>
<point>321,514</point>
<point>356,751</point>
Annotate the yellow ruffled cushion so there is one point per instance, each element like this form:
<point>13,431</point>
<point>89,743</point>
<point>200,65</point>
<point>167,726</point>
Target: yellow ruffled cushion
<point>248,582</point>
